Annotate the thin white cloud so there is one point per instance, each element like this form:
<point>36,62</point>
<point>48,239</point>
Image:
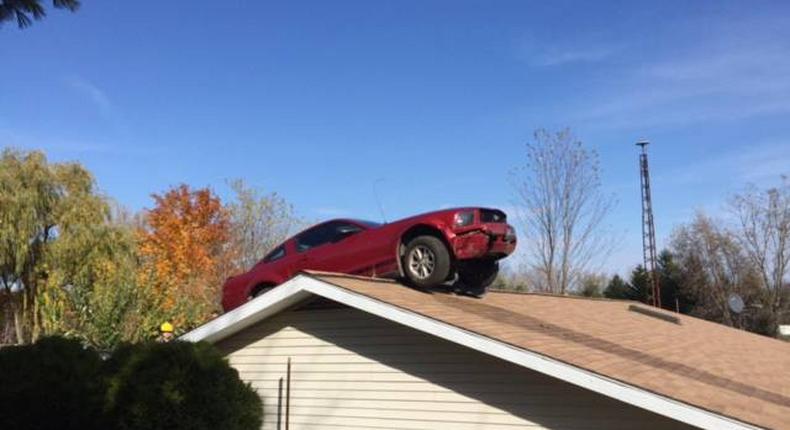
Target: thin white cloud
<point>91,92</point>
<point>745,80</point>
<point>57,144</point>
<point>759,164</point>
<point>559,57</point>
<point>554,53</point>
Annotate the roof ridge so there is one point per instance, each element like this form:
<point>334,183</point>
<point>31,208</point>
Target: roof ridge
<point>325,274</point>
<point>561,296</point>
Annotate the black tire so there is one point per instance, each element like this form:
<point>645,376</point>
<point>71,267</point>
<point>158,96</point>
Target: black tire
<point>426,262</point>
<point>260,290</point>
<point>475,277</point>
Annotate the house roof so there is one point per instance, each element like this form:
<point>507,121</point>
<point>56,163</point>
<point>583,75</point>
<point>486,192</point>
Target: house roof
<point>691,370</point>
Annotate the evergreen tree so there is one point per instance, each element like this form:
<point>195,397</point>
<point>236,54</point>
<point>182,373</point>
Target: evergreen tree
<point>616,289</point>
<point>25,11</point>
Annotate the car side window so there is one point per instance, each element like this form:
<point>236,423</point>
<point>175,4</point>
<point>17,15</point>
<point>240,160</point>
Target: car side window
<point>314,237</point>
<point>342,230</point>
<point>276,254</point>
<point>327,233</point>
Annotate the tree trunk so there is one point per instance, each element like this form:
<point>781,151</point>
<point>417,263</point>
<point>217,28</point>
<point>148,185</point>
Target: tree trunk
<point>35,330</point>
<point>18,326</point>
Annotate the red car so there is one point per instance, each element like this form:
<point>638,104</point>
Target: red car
<point>424,250</point>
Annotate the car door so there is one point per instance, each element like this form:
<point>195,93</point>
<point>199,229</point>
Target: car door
<point>347,250</point>
<point>337,246</point>
<point>289,264</point>
<point>279,265</point>
<point>311,247</point>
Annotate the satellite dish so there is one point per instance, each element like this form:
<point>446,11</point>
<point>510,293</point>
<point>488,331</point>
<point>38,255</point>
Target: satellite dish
<point>735,302</point>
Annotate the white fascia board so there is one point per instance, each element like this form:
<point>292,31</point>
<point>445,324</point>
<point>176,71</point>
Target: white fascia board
<point>303,286</point>
<point>256,310</point>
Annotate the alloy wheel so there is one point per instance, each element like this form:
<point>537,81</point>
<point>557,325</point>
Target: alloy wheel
<point>422,261</point>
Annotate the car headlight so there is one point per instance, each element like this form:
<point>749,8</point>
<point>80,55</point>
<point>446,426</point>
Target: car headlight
<point>463,219</point>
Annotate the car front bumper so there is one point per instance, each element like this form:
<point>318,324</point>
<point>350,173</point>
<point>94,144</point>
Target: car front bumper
<point>490,241</point>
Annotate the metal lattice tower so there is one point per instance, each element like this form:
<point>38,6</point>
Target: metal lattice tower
<point>649,253</point>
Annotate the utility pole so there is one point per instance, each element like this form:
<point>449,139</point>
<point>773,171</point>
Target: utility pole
<point>648,228</point>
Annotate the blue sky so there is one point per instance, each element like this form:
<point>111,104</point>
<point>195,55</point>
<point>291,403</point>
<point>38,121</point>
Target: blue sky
<point>433,101</point>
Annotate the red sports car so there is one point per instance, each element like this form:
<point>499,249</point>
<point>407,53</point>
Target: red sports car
<point>424,250</point>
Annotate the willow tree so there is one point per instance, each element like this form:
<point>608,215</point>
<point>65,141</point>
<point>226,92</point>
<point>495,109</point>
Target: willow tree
<point>57,248</point>
<point>91,290</point>
<point>28,201</point>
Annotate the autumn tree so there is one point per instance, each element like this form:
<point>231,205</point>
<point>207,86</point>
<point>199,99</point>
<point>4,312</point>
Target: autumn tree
<point>562,210</point>
<point>182,243</point>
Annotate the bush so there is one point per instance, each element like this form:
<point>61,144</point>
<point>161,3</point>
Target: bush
<point>59,384</point>
<point>53,384</point>
<point>176,386</point>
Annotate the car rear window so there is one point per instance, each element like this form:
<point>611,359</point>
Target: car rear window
<point>492,215</point>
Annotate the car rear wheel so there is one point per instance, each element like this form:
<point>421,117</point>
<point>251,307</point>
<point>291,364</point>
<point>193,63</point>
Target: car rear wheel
<point>426,261</point>
<point>475,276</point>
<point>260,290</point>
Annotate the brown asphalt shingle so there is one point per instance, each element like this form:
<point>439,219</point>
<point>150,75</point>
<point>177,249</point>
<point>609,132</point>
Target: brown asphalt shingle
<point>727,371</point>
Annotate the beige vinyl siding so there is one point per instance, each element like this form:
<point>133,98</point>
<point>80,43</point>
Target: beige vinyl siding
<point>358,371</point>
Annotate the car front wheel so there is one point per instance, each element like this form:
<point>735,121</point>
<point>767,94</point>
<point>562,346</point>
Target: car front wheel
<point>426,261</point>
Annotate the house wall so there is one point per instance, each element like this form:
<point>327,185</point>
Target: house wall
<point>357,371</point>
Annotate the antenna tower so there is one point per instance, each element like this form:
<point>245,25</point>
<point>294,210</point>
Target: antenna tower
<point>648,228</point>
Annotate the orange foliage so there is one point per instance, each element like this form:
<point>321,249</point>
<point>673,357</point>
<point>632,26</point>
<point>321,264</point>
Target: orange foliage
<point>182,246</point>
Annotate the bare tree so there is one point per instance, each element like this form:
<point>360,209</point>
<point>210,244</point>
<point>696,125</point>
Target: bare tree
<point>562,210</point>
<point>713,266</point>
<point>259,222</point>
<point>764,232</point>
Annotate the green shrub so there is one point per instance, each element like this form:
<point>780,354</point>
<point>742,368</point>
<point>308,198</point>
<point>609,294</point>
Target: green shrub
<point>59,384</point>
<point>177,386</point>
<point>53,384</point>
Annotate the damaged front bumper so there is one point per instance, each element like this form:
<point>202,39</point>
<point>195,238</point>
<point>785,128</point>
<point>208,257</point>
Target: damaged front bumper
<point>488,241</point>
